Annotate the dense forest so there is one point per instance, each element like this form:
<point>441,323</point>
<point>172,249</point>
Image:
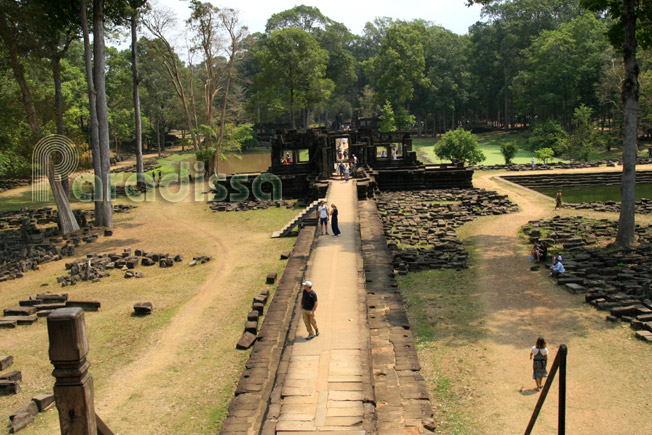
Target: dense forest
<point>528,63</point>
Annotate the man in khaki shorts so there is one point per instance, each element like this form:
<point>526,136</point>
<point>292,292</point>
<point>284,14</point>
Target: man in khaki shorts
<point>308,306</point>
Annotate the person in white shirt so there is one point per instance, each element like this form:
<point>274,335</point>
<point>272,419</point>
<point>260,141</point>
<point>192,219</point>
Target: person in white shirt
<point>539,355</point>
<point>323,217</point>
<point>557,269</point>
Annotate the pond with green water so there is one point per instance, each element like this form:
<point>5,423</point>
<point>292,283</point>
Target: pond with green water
<point>595,193</point>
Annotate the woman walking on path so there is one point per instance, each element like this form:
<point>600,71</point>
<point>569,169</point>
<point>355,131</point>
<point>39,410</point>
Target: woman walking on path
<point>334,224</point>
<point>539,354</point>
<point>558,200</point>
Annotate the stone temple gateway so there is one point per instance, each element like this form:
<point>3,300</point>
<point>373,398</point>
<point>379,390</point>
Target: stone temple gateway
<point>304,161</point>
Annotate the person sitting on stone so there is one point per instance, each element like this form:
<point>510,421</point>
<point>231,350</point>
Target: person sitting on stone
<point>543,252</point>
<point>535,253</point>
<point>557,257</point>
<point>557,269</point>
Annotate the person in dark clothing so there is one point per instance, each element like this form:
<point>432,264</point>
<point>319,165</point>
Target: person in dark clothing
<point>308,307</point>
<point>334,222</point>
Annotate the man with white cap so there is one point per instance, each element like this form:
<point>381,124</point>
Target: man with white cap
<point>308,306</point>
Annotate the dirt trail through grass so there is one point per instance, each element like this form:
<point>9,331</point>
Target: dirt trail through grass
<point>607,369</point>
<point>183,325</point>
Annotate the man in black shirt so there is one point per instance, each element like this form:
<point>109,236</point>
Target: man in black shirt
<point>308,306</point>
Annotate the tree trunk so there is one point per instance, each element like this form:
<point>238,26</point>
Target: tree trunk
<point>158,137</point>
<point>507,114</point>
<point>58,104</point>
<point>292,108</point>
<point>630,93</point>
<point>67,221</point>
<point>140,170</point>
<point>99,66</point>
<point>95,143</point>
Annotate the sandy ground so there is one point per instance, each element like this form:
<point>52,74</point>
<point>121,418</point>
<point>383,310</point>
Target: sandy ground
<point>608,375</point>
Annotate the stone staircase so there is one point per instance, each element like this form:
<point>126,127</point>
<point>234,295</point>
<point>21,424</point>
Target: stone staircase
<point>298,219</point>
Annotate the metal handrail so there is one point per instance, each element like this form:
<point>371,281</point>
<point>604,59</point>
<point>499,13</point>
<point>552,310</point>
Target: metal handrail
<point>558,363</point>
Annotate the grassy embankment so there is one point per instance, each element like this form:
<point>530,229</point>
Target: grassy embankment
<point>490,145</point>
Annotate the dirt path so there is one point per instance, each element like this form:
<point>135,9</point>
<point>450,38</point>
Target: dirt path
<point>520,305</point>
<point>183,325</point>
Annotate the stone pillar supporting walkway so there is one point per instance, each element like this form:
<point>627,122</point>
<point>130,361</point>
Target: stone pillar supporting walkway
<point>327,384</point>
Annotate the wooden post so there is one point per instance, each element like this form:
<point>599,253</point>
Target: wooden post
<point>73,389</point>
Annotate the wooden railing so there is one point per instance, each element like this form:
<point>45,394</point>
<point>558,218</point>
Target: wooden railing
<point>558,363</point>
<point>73,388</point>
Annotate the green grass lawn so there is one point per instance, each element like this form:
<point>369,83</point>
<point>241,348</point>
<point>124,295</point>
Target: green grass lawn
<point>490,145</point>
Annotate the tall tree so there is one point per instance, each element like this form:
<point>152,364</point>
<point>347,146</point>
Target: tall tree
<point>630,17</point>
<point>204,21</point>
<point>399,67</point>
<point>94,124</point>
<point>160,23</point>
<point>134,5</point>
<point>237,33</point>
<point>105,218</point>
<point>292,65</point>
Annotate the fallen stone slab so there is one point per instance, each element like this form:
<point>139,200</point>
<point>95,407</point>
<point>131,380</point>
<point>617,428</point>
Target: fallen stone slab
<point>644,335</point>
<point>271,278</point>
<point>19,311</point>
<point>260,298</point>
<point>7,324</point>
<point>285,255</point>
<point>44,401</point>
<point>6,361</point>
<point>259,307</point>
<point>53,298</point>
<point>28,408</point>
<point>85,305</point>
<point>143,308</point>
<point>30,302</point>
<point>253,315</point>
<point>42,307</point>
<point>251,326</point>
<point>21,320</point>
<point>575,288</point>
<point>246,341</point>
<point>20,422</point>
<point>11,376</point>
<point>8,388</point>
<point>630,310</point>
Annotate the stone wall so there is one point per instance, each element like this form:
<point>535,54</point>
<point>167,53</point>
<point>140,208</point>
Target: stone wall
<point>575,179</point>
<point>255,394</point>
<point>400,391</point>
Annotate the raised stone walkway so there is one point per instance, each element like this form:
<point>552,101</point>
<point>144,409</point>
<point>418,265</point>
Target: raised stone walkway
<point>361,375</point>
<point>323,388</point>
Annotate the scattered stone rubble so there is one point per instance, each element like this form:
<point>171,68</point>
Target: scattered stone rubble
<point>29,310</point>
<point>251,325</point>
<point>419,226</point>
<point>614,280</point>
<point>95,266</point>
<point>547,166</point>
<point>250,205</point>
<point>643,206</point>
<point>24,415</point>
